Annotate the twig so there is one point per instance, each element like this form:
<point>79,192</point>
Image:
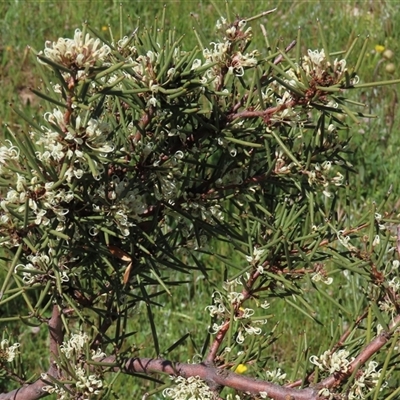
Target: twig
<point>34,390</point>
<point>215,377</point>
<point>373,347</point>
<point>246,294</point>
<point>288,48</point>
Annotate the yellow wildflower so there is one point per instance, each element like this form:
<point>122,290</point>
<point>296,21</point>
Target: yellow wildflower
<point>379,48</point>
<point>240,369</point>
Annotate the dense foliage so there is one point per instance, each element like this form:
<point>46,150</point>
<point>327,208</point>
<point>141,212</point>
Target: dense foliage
<point>153,162</point>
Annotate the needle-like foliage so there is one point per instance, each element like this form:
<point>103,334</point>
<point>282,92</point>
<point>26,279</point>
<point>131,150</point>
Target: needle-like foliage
<point>150,161</point>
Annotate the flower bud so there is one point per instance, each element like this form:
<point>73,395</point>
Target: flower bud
<point>388,54</point>
<point>390,68</point>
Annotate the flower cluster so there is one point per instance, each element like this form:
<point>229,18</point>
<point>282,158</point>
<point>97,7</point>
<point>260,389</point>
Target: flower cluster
<point>75,344</point>
<point>8,154</point>
<point>276,376</point>
<point>218,309</point>
<point>316,65</point>
<point>80,52</point>
<point>255,258</point>
<point>192,388</point>
<point>336,362</point>
<point>391,299</point>
<point>37,265</point>
<point>245,324</point>
<point>320,276</point>
<point>71,145</point>
<point>226,56</point>
<point>365,382</point>
<point>54,388</point>
<point>87,386</point>
<point>8,353</point>
<point>325,175</point>
<point>344,240</point>
<point>86,383</point>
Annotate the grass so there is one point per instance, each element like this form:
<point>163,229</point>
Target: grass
<point>375,146</point>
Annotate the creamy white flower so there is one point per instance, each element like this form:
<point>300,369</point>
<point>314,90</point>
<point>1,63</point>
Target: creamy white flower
<point>276,375</point>
<point>81,51</point>
<point>365,382</point>
<point>75,344</point>
<point>190,388</point>
<point>332,362</point>
<point>319,277</point>
<point>7,352</point>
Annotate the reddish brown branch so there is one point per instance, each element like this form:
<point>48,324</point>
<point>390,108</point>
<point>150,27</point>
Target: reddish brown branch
<point>339,344</point>
<point>34,390</point>
<point>346,334</point>
<point>288,48</point>
<point>56,333</point>
<point>216,378</point>
<point>262,113</point>
<point>246,294</point>
<point>373,347</point>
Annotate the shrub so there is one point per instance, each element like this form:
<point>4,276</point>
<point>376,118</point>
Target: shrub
<point>154,162</point>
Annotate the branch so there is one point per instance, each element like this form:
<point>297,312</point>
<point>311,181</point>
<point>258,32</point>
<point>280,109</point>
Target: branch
<point>56,333</point>
<point>215,377</point>
<point>246,294</point>
<point>262,113</point>
<point>34,390</point>
<point>373,347</point>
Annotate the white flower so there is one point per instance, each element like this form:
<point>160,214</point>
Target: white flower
<point>276,375</point>
<point>365,382</point>
<point>265,305</point>
<point>240,337</point>
<point>8,353</point>
<point>394,284</point>
<point>319,277</point>
<point>234,297</point>
<point>215,328</point>
<point>196,64</point>
<point>61,393</point>
<point>345,241</point>
<point>325,393</point>
<point>237,397</point>
<point>74,345</point>
<point>8,153</point>
<point>90,384</point>
<point>376,241</point>
<point>27,277</point>
<point>220,23</point>
<point>257,254</point>
<point>192,388</point>
<point>336,362</point>
<point>251,330</point>
<point>80,52</point>
<point>152,101</point>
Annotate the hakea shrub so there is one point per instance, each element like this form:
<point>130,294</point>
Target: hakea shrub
<point>148,159</point>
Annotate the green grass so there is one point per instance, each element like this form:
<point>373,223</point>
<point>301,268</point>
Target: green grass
<point>375,145</point>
